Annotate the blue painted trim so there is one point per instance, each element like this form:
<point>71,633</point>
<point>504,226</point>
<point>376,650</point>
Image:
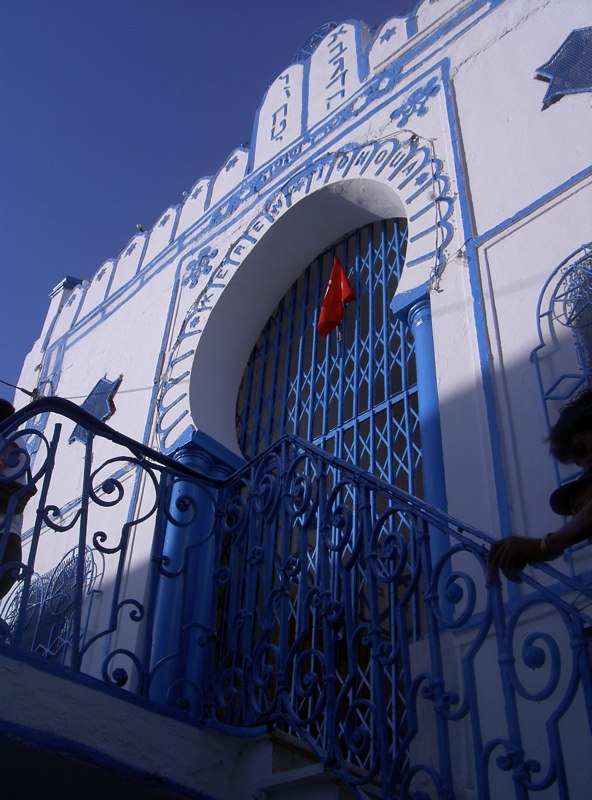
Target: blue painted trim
<point>363,64</point>
<point>411,26</point>
<point>252,732</point>
<point>395,65</point>
<point>163,259</point>
<point>111,279</point>
<point>305,96</point>
<point>44,740</point>
<point>425,43</point>
<point>81,298</point>
<point>81,678</point>
<point>146,238</point>
<point>193,548</point>
<point>160,361</point>
<point>478,311</point>
<point>182,439</point>
<point>66,283</point>
<point>177,211</point>
<point>254,138</point>
<point>534,206</point>
<point>420,322</point>
<point>402,302</point>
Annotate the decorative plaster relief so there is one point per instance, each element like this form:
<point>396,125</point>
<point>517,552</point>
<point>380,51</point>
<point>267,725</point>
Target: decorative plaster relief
<point>403,162</point>
<point>195,265</point>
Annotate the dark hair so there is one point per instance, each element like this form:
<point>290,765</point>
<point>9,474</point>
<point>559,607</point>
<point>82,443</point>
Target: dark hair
<point>6,409</point>
<point>574,418</point>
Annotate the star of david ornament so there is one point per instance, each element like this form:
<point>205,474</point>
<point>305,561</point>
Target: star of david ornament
<point>569,70</point>
<point>99,403</point>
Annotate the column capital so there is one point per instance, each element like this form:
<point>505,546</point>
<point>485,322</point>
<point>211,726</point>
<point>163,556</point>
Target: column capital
<point>419,313</point>
<point>205,454</point>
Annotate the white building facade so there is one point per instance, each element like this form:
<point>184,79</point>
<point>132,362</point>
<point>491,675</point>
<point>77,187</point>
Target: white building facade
<point>446,160</point>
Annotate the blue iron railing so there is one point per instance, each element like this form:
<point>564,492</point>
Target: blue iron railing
<point>305,597</point>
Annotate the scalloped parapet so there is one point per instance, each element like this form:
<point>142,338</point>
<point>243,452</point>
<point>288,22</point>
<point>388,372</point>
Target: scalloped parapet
<point>432,13</point>
<point>98,287</point>
<point>129,261</point>
<point>388,38</point>
<point>337,69</point>
<point>303,96</point>
<point>162,234</point>
<point>230,175</point>
<point>194,205</point>
<point>279,120</point>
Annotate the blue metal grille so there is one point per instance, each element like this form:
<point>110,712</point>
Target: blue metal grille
<point>564,367</point>
<point>357,397</point>
<point>313,41</point>
<point>563,364</point>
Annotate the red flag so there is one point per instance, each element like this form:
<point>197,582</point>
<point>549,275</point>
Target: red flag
<point>339,291</point>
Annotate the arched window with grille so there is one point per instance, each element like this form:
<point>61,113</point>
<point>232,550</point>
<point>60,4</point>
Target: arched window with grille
<point>353,393</point>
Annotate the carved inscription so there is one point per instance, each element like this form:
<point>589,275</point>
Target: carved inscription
<point>337,50</point>
<point>280,116</point>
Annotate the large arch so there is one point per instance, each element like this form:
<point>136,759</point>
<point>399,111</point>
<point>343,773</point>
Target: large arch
<point>250,269</point>
<point>261,280</point>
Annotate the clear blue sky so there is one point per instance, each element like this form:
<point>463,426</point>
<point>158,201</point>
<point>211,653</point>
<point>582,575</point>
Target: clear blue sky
<point>110,110</point>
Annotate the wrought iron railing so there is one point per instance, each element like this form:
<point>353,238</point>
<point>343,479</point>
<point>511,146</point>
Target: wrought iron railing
<point>303,594</point>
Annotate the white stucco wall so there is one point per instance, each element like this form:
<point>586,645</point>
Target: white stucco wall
<point>444,126</point>
<point>177,317</point>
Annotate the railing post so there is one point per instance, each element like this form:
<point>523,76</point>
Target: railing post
<point>184,613</point>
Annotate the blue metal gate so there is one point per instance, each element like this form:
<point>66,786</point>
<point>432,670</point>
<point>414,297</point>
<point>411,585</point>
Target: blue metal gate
<point>356,397</point>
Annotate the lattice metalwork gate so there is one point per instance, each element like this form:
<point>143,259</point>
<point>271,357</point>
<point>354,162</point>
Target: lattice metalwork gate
<point>355,397</point>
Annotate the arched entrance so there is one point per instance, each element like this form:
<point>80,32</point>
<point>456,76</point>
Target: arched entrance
<point>252,261</point>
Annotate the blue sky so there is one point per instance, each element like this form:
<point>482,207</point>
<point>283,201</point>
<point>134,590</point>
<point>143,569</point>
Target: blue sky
<point>111,109</point>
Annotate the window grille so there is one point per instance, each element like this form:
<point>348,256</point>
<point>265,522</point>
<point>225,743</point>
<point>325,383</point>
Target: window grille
<point>355,397</point>
<point>563,358</point>
<point>313,41</point>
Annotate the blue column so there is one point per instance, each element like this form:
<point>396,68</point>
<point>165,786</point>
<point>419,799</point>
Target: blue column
<point>419,318</point>
<point>184,613</point>
<point>420,321</point>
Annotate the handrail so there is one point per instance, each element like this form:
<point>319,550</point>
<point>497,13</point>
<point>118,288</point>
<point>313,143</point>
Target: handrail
<point>440,519</point>
<point>58,405</point>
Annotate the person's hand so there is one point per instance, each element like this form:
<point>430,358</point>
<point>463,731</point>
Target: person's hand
<point>511,555</point>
